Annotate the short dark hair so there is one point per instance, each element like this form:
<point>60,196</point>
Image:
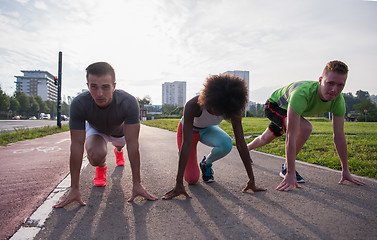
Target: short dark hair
<point>100,69</point>
<point>225,94</point>
<point>335,66</point>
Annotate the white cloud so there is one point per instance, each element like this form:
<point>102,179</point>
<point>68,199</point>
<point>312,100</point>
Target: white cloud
<point>24,2</point>
<point>40,5</point>
<point>151,42</point>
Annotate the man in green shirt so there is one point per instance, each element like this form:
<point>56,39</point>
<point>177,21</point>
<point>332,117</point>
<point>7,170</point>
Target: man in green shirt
<point>287,107</point>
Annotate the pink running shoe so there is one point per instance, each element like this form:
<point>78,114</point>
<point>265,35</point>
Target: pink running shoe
<point>119,157</point>
<point>100,177</point>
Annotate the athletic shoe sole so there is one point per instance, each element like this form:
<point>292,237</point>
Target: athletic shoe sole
<point>209,181</point>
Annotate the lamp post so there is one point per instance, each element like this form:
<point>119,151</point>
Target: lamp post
<point>59,104</point>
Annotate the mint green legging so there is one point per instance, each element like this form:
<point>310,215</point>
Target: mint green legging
<point>212,136</point>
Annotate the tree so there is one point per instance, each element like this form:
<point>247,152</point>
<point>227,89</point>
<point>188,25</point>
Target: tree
<point>24,101</point>
<point>350,102</point>
<point>168,109</point>
<point>362,95</point>
<point>371,111</point>
<point>65,108</point>
<point>51,107</point>
<point>34,106</point>
<point>249,113</point>
<point>43,108</point>
<point>147,100</point>
<point>256,110</point>
<point>178,111</point>
<point>4,101</point>
<point>14,105</point>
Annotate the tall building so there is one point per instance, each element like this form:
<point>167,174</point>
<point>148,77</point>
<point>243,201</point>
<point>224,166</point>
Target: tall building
<point>174,93</point>
<point>242,74</point>
<point>38,83</point>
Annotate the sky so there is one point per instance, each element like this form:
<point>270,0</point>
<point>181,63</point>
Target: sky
<point>149,42</point>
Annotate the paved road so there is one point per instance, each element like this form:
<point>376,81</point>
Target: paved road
<point>11,125</point>
<point>321,209</point>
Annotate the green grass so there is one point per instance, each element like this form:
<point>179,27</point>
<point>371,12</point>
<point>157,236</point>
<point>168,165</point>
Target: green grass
<point>26,133</point>
<point>168,124</point>
<point>319,149</point>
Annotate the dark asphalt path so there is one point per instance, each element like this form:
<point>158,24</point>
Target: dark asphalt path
<point>321,209</point>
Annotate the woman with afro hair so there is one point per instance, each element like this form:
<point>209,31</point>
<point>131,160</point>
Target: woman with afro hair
<point>223,97</point>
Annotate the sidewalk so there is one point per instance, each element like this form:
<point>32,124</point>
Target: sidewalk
<point>321,209</point>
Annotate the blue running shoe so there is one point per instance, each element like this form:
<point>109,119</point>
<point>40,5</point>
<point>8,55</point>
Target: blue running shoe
<point>207,172</point>
<point>284,172</point>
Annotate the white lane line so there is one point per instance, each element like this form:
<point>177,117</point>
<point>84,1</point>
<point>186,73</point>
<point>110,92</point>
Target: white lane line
<point>63,140</point>
<point>33,224</point>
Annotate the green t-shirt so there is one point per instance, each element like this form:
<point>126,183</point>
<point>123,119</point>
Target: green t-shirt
<point>304,99</point>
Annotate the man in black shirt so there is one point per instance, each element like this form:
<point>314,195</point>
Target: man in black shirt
<point>103,114</point>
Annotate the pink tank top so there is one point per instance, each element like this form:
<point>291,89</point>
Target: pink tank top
<point>206,119</point>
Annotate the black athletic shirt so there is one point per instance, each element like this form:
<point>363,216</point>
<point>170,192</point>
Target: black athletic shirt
<point>123,109</point>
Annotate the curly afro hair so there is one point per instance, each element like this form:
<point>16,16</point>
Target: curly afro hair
<point>224,94</point>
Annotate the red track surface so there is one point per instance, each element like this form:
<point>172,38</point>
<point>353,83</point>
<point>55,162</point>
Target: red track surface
<point>29,171</point>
